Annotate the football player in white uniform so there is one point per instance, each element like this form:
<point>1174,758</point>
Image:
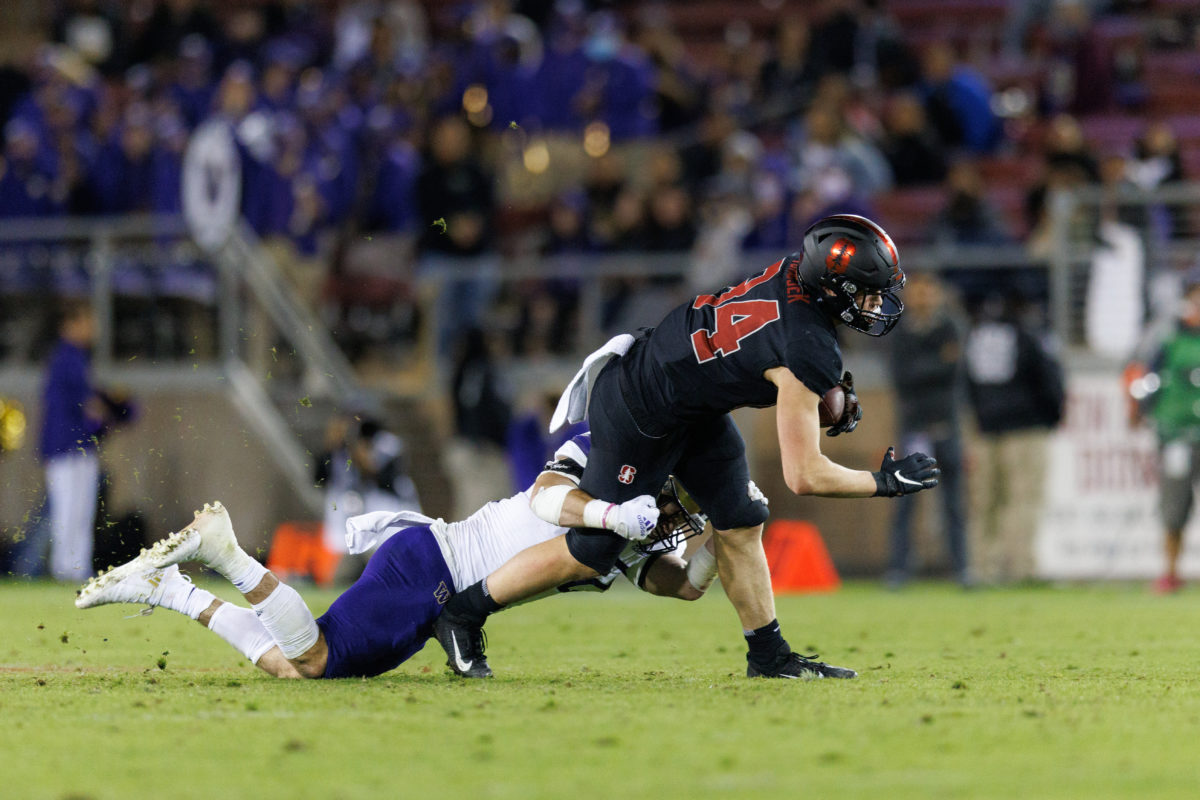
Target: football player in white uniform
<point>387,615</point>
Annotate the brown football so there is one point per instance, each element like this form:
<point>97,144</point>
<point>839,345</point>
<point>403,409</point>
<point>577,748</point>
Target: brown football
<point>832,406</point>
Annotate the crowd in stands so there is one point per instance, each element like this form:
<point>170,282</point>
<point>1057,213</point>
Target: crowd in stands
<point>703,127</point>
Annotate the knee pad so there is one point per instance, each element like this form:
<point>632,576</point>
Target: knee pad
<point>595,549</point>
<point>288,620</point>
<point>737,510</point>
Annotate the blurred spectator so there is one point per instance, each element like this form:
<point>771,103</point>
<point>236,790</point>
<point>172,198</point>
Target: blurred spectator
<point>1016,390</point>
<point>1082,76</point>
<point>618,83</point>
<point>482,398</point>
<point>75,417</point>
<point>835,35</point>
<point>927,377</point>
<point>968,217</point>
<point>529,446</point>
<point>670,225</point>
<point>910,144</point>
<point>191,85</point>
<point>789,73</point>
<point>25,184</point>
<point>678,84</point>
<point>958,100</point>
<point>170,24</point>
<point>1156,162</point>
<point>702,157</point>
<point>362,469</point>
<point>454,196</point>
<point>454,193</point>
<point>829,148</point>
<point>1069,164</point>
<point>123,175</point>
<point>94,30</point>
<point>1169,397</point>
<point>567,229</point>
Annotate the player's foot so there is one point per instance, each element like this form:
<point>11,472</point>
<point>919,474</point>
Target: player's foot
<point>135,581</point>
<point>1167,584</point>
<point>795,665</point>
<point>208,539</point>
<point>464,644</point>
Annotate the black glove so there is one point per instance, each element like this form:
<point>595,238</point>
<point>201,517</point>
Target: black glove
<point>852,412</point>
<point>910,474</point>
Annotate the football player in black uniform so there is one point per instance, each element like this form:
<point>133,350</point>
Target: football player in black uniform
<point>663,408</point>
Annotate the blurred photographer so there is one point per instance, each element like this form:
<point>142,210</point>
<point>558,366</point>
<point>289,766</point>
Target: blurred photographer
<point>362,470</point>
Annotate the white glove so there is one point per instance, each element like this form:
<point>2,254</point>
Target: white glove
<point>756,494</point>
<point>634,519</point>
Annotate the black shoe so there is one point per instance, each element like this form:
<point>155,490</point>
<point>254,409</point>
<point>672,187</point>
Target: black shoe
<point>795,665</point>
<point>464,644</point>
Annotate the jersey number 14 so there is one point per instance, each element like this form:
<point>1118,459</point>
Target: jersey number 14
<point>733,319</point>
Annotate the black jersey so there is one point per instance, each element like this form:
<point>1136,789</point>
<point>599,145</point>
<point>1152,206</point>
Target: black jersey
<point>708,356</point>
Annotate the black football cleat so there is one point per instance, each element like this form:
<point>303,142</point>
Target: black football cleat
<point>464,644</point>
<point>795,665</point>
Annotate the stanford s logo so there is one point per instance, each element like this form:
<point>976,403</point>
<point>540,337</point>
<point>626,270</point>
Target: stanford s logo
<point>626,474</point>
<point>839,256</point>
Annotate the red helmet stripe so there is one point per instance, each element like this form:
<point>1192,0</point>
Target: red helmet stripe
<point>880,232</point>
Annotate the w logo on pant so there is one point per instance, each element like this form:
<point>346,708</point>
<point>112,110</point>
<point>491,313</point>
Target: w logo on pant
<point>441,593</point>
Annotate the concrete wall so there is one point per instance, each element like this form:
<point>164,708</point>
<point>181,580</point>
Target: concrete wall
<point>187,448</point>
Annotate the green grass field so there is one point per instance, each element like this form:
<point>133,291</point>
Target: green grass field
<point>1086,692</point>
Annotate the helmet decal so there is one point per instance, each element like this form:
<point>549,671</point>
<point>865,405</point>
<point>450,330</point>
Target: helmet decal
<point>839,256</point>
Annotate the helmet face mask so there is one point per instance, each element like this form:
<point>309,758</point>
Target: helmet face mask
<point>676,524</point>
<point>846,259</point>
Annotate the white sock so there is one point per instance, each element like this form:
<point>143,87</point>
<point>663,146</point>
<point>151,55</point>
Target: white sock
<point>182,596</point>
<point>241,570</point>
<point>241,629</point>
<point>702,569</point>
<point>288,620</point>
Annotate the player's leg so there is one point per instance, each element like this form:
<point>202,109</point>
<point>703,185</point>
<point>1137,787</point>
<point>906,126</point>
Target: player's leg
<point>948,452</point>
<point>387,615</point>
<point>139,582</point>
<point>713,468</point>
<point>899,542</point>
<point>623,463</point>
<point>1175,486</point>
<point>210,539</point>
<point>71,483</point>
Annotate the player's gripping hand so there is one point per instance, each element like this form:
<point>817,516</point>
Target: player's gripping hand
<point>910,474</point>
<point>634,519</point>
<point>852,412</point>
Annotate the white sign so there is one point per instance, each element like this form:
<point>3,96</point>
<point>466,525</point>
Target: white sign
<point>1100,518</point>
<point>212,184</point>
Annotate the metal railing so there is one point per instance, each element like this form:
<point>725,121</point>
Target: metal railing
<point>244,304</point>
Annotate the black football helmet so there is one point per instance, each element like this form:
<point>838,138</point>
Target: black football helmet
<point>848,254</point>
<point>676,521</point>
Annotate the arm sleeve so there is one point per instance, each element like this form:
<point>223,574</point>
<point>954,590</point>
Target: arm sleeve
<point>816,361</point>
<point>568,468</point>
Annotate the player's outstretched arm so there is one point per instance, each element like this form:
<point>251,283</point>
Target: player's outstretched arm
<point>671,576</point>
<point>557,500</point>
<point>806,470</point>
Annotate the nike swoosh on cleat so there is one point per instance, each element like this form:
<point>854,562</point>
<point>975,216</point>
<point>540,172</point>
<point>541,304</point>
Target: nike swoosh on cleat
<point>458,659</point>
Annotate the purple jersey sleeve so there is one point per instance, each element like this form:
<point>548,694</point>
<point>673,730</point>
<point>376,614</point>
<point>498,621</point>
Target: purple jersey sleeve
<point>571,458</point>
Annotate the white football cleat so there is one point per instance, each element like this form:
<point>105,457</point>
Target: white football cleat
<point>209,540</point>
<point>135,581</point>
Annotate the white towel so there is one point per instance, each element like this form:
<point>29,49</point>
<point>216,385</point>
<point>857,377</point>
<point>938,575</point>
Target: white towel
<point>369,530</point>
<point>572,406</point>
